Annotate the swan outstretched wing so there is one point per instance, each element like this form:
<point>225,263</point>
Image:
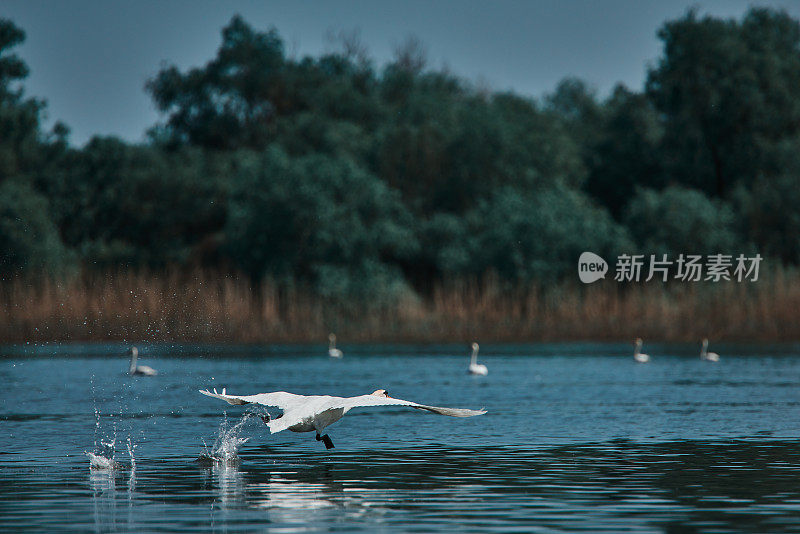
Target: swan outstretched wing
<point>286,401</point>
<point>373,400</point>
<point>279,399</point>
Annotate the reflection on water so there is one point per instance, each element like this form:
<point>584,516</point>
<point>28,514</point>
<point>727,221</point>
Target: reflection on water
<point>230,485</point>
<point>104,499</point>
<point>284,493</point>
<point>112,508</point>
<point>725,486</point>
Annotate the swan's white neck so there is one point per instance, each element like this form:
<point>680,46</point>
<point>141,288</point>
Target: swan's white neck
<point>638,348</point>
<point>704,350</point>
<point>133,361</point>
<point>474,358</point>
<point>331,344</point>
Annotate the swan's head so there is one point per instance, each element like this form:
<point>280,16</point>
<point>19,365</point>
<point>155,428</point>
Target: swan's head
<point>380,393</point>
<point>133,352</point>
<point>638,341</point>
<point>705,341</point>
<point>331,337</point>
<point>474,346</point>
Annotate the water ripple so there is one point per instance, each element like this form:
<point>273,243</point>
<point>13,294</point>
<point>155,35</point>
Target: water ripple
<point>570,443</point>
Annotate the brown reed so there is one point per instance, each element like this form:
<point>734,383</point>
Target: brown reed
<point>204,306</point>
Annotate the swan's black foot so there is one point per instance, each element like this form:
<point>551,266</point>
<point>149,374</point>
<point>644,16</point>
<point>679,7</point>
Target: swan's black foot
<point>326,440</point>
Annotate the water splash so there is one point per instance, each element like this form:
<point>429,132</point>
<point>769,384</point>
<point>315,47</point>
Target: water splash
<point>131,448</point>
<point>102,457</point>
<point>132,477</point>
<point>226,446</point>
<point>100,462</point>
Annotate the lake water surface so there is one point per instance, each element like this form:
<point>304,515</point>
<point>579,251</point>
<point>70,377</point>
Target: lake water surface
<point>577,437</point>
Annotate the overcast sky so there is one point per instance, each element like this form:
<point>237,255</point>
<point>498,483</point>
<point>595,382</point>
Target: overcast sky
<point>90,58</point>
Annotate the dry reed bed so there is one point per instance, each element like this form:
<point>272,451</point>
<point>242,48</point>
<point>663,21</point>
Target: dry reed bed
<point>202,307</point>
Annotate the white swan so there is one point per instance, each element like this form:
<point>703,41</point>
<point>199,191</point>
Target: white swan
<point>333,352</point>
<point>307,413</point>
<point>140,370</point>
<point>639,356</point>
<point>708,356</point>
<point>476,368</point>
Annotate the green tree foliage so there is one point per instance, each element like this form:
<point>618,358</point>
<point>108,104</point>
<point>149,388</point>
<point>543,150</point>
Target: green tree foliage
<point>317,220</point>
<point>29,241</point>
<point>21,149</point>
<point>625,152</point>
<point>363,182</point>
<point>728,90</point>
<point>575,104</point>
<point>678,220</point>
<point>233,101</point>
<point>439,148</point>
<point>118,203</point>
<point>242,97</point>
<point>771,206</point>
<point>539,235</point>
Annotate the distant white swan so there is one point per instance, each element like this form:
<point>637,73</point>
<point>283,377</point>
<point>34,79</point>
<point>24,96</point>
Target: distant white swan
<point>308,413</point>
<point>333,352</point>
<point>638,355</point>
<point>476,368</point>
<point>708,356</point>
<point>140,370</point>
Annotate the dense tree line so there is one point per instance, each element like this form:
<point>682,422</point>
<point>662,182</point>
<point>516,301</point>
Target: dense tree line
<point>363,181</point>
